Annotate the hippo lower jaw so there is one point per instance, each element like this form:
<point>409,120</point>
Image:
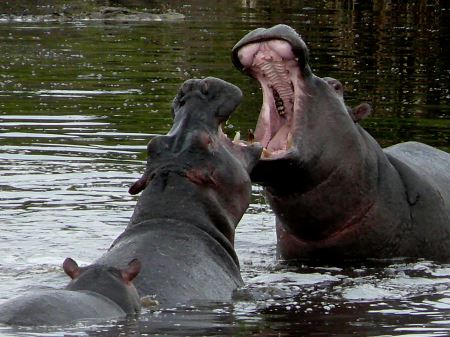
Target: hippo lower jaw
<point>276,67</point>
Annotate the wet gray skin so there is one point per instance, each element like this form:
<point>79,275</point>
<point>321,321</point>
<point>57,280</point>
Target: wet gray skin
<point>96,293</point>
<point>195,189</point>
<point>336,193</point>
<point>359,112</point>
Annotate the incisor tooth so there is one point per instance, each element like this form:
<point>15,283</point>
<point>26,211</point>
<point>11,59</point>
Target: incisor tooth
<point>237,137</point>
<point>289,142</point>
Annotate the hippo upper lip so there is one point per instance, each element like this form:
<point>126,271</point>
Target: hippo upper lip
<point>277,58</point>
<point>278,32</point>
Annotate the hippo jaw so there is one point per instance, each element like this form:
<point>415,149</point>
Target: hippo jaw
<point>277,58</point>
<point>300,112</point>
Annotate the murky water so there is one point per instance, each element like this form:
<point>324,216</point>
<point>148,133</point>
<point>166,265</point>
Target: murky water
<point>79,101</point>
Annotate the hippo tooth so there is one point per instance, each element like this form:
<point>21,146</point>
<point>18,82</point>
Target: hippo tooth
<point>251,136</point>
<point>289,142</point>
<point>266,153</point>
<point>280,109</point>
<point>237,137</point>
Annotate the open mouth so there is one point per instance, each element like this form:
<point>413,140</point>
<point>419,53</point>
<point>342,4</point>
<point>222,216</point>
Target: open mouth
<point>275,66</point>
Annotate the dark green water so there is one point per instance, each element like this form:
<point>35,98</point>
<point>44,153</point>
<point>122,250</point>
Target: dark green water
<point>79,101</point>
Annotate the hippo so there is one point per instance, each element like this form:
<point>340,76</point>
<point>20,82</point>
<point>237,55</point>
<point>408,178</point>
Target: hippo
<point>336,194</point>
<point>96,292</point>
<point>357,113</point>
<point>195,189</point>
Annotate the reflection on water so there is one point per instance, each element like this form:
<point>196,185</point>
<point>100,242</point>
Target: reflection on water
<point>79,101</point>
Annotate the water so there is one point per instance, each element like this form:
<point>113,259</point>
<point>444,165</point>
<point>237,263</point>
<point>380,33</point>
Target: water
<point>79,101</point>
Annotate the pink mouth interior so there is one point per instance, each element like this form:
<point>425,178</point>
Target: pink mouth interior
<point>276,68</point>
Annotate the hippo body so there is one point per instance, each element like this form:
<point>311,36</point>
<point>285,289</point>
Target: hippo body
<point>58,307</point>
<point>187,263</point>
<point>195,189</point>
<point>96,293</point>
<point>337,195</point>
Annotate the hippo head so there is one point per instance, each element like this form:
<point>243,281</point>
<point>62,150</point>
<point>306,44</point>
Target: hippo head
<point>309,136</point>
<point>300,111</point>
<point>115,284</point>
<point>357,113</point>
<point>197,157</point>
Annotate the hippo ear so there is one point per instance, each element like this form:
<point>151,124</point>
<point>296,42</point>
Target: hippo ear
<point>139,185</point>
<point>71,268</point>
<point>360,112</point>
<point>133,269</point>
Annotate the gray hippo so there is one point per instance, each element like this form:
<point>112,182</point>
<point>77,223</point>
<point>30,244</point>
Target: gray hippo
<point>357,113</point>
<point>336,193</point>
<point>96,292</point>
<point>195,189</point>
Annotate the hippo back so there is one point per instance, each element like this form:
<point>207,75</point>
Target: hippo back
<point>433,164</point>
<point>57,307</point>
<point>425,173</point>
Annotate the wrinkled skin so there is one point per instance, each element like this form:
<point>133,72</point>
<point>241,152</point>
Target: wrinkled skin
<point>96,293</point>
<point>336,194</point>
<point>195,189</point>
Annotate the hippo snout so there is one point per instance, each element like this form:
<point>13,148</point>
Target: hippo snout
<point>211,100</point>
<point>255,38</point>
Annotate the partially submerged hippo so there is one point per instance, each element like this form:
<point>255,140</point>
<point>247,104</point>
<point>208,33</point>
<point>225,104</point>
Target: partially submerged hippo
<point>336,194</point>
<point>196,188</point>
<point>96,292</point>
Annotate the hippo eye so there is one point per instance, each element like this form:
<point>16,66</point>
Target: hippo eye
<point>337,87</point>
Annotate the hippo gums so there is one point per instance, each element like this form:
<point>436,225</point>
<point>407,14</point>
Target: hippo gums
<point>337,195</point>
<point>195,189</point>
<point>96,292</point>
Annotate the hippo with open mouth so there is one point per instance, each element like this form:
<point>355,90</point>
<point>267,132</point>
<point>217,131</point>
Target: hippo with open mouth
<point>195,189</point>
<point>336,193</point>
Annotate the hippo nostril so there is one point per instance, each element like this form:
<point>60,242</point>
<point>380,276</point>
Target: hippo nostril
<point>204,87</point>
<point>187,87</point>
